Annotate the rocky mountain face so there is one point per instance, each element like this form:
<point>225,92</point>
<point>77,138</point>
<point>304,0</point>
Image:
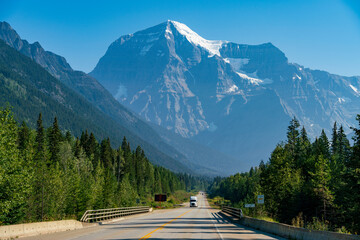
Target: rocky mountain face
<point>234,98</point>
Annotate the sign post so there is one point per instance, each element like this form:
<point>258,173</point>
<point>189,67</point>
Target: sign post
<point>160,198</point>
<point>260,199</point>
<point>250,205</point>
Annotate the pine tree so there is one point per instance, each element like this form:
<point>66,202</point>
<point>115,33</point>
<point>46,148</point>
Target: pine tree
<point>124,144</point>
<point>23,137</point>
<point>93,149</point>
<point>106,154</point>
<point>344,146</point>
<point>334,142</point>
<point>324,145</point>
<point>128,160</point>
<point>120,162</point>
<point>97,198</point>
<point>84,139</point>
<point>158,182</point>
<point>54,142</point>
<point>40,140</point>
<point>149,178</point>
<point>321,177</point>
<point>293,139</point>
<point>68,137</point>
<point>40,165</point>
<point>77,148</point>
<point>304,153</point>
<point>92,145</point>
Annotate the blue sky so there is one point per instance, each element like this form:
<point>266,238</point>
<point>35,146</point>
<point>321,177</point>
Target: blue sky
<point>320,34</point>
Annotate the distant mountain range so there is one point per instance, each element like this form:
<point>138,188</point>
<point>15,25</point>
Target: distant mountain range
<point>69,93</point>
<point>234,98</point>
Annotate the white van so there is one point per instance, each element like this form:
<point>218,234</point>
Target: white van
<point>193,201</point>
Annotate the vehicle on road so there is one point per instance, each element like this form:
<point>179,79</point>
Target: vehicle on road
<point>193,201</point>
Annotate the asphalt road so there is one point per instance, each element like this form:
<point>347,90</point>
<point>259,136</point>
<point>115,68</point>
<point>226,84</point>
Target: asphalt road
<point>202,222</point>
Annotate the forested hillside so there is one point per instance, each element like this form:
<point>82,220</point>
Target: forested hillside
<point>307,184</point>
<point>46,174</point>
<point>30,89</point>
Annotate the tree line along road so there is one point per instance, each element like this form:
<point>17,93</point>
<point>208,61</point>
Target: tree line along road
<point>202,222</point>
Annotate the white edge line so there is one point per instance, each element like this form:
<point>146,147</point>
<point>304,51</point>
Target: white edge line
<point>214,222</point>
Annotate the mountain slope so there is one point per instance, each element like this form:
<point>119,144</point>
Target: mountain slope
<point>95,93</point>
<point>231,97</point>
<point>30,89</point>
<point>82,83</point>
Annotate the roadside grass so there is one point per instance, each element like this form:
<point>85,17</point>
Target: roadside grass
<point>266,218</point>
<point>217,202</point>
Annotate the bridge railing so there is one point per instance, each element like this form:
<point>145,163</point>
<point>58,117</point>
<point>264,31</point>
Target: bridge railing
<point>104,214</point>
<point>235,212</point>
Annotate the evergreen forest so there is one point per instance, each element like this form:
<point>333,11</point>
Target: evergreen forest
<point>48,174</point>
<point>307,184</point>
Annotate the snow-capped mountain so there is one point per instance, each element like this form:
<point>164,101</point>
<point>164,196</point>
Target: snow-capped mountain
<point>232,97</point>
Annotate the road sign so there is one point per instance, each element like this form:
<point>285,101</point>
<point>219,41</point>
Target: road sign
<point>252,205</point>
<point>160,197</point>
<point>260,199</point>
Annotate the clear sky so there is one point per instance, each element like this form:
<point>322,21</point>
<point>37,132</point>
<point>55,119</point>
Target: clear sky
<point>320,34</point>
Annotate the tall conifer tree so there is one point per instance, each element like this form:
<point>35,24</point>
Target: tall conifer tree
<point>54,142</point>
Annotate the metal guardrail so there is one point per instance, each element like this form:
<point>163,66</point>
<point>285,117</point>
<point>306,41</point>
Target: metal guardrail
<point>235,212</point>
<point>104,214</point>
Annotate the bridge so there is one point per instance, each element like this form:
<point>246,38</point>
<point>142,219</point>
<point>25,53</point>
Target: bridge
<point>202,222</point>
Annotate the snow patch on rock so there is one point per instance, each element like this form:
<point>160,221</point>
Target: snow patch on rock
<point>354,89</point>
<point>232,89</point>
<point>237,63</point>
<point>252,80</point>
<point>228,108</point>
<point>212,46</point>
<point>341,100</point>
<point>296,76</point>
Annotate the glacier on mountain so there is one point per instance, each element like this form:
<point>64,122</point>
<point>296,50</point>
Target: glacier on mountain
<point>211,46</point>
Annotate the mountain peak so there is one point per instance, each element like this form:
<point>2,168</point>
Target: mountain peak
<point>46,59</point>
<point>9,35</point>
<point>212,46</point>
<point>5,25</point>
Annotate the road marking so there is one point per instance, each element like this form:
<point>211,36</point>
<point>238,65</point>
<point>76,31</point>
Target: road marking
<point>214,222</point>
<point>162,226</point>
<point>217,230</point>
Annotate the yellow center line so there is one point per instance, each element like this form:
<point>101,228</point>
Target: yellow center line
<point>162,226</point>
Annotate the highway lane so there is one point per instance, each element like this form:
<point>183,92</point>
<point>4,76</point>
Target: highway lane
<point>202,222</point>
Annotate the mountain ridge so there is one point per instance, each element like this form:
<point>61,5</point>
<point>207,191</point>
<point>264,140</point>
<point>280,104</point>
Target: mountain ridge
<point>30,89</point>
<point>198,88</point>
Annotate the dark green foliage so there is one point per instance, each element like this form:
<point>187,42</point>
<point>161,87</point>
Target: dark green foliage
<point>55,138</point>
<point>303,182</point>
<point>49,177</point>
<point>24,137</point>
<point>14,172</point>
<point>353,179</point>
